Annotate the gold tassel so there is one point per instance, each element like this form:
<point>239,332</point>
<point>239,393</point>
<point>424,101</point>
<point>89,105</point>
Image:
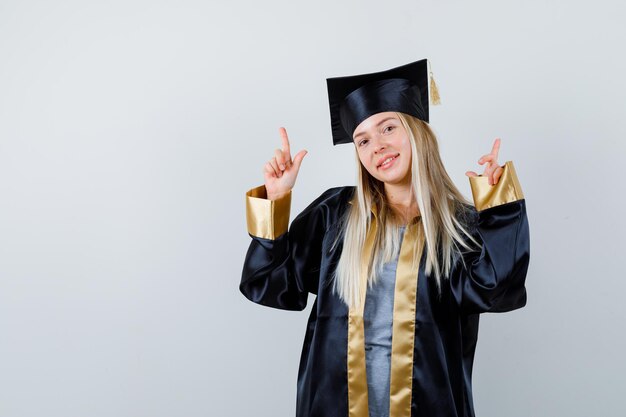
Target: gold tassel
<point>434,91</point>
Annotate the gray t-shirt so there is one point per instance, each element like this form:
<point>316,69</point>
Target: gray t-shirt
<point>378,326</point>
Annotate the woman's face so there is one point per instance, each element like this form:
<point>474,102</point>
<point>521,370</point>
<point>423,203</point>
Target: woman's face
<point>384,148</point>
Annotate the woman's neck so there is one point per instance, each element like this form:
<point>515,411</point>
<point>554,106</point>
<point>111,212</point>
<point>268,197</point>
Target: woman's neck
<point>401,200</point>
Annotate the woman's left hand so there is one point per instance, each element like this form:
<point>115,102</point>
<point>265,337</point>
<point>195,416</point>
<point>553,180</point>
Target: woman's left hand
<point>493,170</point>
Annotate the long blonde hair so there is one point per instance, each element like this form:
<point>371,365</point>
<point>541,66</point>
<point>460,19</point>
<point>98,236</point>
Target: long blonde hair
<point>441,207</point>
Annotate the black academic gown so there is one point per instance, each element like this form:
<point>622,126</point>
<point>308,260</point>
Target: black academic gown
<point>282,267</point>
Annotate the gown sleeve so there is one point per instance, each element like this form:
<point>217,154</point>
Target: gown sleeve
<point>492,279</point>
<point>281,266</point>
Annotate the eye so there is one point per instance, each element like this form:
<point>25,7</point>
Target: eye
<point>363,142</point>
<point>388,129</point>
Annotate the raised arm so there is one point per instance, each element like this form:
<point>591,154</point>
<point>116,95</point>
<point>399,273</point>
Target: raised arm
<point>277,266</point>
<point>493,279</point>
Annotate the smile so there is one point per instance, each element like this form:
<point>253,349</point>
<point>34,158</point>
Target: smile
<point>388,162</point>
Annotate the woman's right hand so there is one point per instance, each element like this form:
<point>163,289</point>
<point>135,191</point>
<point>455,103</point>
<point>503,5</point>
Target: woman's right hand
<point>281,171</point>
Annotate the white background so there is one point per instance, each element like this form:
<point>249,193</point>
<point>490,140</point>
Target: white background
<point>130,131</point>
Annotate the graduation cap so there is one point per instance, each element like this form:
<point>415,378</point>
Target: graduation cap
<point>354,98</point>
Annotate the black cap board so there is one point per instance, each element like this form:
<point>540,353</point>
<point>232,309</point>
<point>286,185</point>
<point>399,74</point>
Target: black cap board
<point>353,99</point>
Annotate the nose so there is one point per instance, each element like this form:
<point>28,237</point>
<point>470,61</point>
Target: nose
<point>379,145</point>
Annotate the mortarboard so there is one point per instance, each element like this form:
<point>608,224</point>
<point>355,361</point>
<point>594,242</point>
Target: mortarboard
<point>353,99</point>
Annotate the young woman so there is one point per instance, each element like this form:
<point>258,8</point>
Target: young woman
<point>401,265</point>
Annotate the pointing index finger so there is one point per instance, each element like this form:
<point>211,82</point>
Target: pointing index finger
<point>285,140</point>
<point>496,148</point>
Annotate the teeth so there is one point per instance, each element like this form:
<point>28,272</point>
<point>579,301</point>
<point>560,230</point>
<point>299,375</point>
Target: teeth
<point>387,160</point>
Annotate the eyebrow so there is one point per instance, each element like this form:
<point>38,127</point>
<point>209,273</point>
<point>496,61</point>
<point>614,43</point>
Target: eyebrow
<point>377,124</point>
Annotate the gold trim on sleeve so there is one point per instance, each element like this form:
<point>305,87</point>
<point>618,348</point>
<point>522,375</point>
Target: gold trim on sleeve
<point>403,336</point>
<point>357,372</point>
<point>267,219</point>
<point>507,190</point>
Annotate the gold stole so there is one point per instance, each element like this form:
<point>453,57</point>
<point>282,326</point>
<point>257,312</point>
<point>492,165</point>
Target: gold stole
<point>403,336</point>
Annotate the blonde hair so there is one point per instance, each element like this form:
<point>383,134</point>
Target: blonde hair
<point>441,205</point>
